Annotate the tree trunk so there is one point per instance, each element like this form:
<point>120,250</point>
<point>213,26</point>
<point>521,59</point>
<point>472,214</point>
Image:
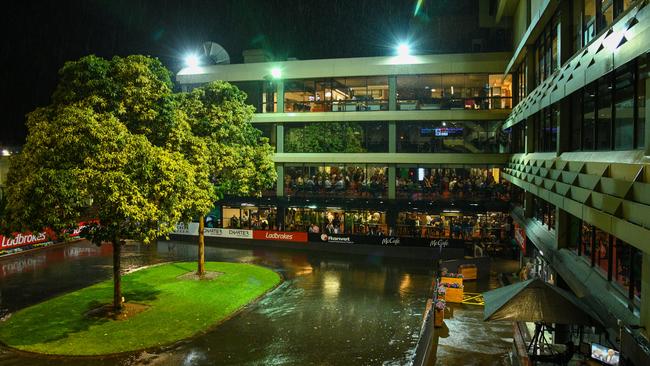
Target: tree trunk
<point>201,269</point>
<point>117,279</point>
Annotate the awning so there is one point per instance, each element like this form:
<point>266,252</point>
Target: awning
<point>537,301</point>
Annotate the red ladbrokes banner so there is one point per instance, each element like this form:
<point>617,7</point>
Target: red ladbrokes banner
<point>24,239</point>
<point>280,235</point>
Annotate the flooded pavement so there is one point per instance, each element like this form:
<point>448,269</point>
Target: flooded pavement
<point>332,309</point>
<point>465,339</point>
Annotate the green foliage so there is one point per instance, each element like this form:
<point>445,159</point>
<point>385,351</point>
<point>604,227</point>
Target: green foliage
<point>113,136</point>
<point>240,159</point>
<point>178,309</point>
<point>337,137</point>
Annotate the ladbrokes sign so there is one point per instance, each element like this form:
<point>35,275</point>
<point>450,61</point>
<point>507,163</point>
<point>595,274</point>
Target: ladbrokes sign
<point>300,237</point>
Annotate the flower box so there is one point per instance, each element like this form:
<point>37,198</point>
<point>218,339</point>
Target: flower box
<point>454,294</point>
<point>458,280</point>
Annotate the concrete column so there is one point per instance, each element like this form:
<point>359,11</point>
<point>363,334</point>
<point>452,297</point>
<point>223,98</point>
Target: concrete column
<point>279,189</point>
<point>279,137</point>
<point>279,148</point>
<point>564,126</point>
<point>530,69</point>
<point>529,135</point>
<point>647,116</point>
<point>391,181</point>
<point>280,93</point>
<point>392,93</point>
<point>564,32</point>
<point>645,293</point>
<point>392,137</point>
<point>562,229</point>
<point>528,204</point>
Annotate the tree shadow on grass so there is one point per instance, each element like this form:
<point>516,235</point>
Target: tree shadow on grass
<point>60,317</point>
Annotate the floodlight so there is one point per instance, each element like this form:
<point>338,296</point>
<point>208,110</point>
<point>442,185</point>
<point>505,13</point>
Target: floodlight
<point>276,73</point>
<point>403,49</point>
<point>192,60</point>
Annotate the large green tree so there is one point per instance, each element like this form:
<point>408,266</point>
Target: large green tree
<point>112,146</point>
<point>240,159</point>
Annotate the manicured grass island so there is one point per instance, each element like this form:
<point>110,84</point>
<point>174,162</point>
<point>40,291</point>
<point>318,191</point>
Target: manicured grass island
<point>171,308</point>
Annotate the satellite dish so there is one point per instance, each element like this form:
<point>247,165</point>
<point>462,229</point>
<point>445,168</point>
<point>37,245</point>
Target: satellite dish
<point>216,53</point>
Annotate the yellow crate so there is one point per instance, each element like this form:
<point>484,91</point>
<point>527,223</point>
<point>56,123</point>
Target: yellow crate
<point>451,280</point>
<point>469,273</point>
<point>438,318</point>
<point>454,295</point>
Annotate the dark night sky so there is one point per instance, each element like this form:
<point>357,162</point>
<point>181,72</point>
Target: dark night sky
<point>39,36</point>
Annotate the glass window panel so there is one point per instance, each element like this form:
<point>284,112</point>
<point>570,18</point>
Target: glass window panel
<point>576,121</point>
<point>589,21</point>
<point>642,76</point>
<point>604,121</point>
<point>589,117</point>
<point>624,109</point>
<point>607,11</point>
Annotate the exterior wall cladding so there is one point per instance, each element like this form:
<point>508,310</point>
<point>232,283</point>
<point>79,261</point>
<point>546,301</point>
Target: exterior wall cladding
<point>559,121</point>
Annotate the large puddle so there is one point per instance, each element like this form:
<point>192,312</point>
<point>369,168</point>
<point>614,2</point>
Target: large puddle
<point>332,309</point>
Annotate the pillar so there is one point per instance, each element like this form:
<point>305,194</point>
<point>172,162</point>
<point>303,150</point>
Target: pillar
<point>392,137</point>
<point>564,126</point>
<point>280,91</point>
<point>529,135</point>
<point>391,181</point>
<point>645,293</point>
<point>562,229</point>
<point>528,204</point>
<point>279,189</point>
<point>279,138</point>
<point>647,116</point>
<point>392,93</point>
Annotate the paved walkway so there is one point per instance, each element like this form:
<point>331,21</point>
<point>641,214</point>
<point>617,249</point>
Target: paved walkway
<point>465,339</point>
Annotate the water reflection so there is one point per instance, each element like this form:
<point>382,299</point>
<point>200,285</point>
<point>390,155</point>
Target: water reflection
<point>332,309</point>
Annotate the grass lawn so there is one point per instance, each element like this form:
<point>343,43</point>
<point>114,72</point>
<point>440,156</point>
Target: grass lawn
<point>177,309</point>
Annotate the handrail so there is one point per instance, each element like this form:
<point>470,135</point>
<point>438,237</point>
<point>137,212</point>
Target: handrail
<point>424,348</point>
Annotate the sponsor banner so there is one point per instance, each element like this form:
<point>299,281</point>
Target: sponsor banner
<point>228,233</point>
<point>300,237</point>
<point>187,229</point>
<point>28,238</point>
<point>193,229</point>
<point>520,237</point>
<point>388,241</point>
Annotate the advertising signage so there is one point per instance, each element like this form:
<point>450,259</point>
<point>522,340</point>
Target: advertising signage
<point>520,237</point>
<point>28,238</point>
<point>298,237</point>
<point>193,229</point>
<point>388,241</point>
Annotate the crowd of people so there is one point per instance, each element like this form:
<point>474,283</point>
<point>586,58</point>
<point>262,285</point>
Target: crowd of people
<point>351,181</point>
<point>491,227</point>
<point>477,184</point>
<point>354,182</point>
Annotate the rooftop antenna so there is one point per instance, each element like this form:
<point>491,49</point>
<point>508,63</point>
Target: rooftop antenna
<point>216,53</point>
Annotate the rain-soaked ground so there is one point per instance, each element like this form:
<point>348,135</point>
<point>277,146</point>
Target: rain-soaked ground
<point>332,309</point>
<point>465,339</point>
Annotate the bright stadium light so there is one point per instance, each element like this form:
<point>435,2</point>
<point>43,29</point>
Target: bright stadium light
<point>403,49</point>
<point>192,60</point>
<point>276,73</point>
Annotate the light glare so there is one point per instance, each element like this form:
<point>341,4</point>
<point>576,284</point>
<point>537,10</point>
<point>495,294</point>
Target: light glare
<point>403,49</point>
<point>192,60</point>
<point>276,73</point>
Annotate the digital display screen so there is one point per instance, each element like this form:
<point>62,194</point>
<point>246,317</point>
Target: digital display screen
<point>605,355</point>
<point>441,131</point>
